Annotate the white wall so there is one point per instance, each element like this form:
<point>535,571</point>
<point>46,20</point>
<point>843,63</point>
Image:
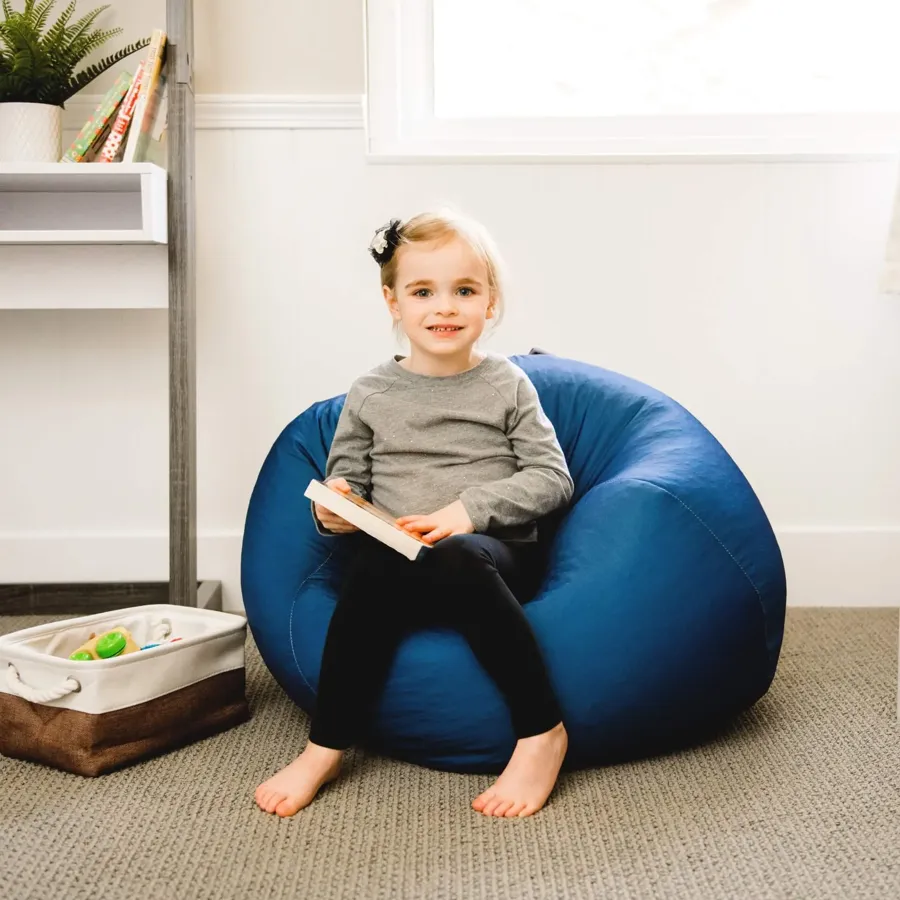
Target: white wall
<point>748,292</point>
<point>278,47</point>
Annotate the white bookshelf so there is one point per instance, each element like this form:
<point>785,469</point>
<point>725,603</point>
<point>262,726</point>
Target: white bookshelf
<point>82,203</point>
<point>103,205</point>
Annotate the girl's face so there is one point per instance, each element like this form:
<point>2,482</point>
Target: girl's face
<point>441,296</point>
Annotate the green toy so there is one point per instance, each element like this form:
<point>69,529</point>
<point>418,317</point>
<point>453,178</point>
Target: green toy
<point>116,642</point>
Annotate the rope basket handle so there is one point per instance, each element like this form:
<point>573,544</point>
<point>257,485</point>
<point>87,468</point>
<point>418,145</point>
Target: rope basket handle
<point>159,630</point>
<point>33,695</point>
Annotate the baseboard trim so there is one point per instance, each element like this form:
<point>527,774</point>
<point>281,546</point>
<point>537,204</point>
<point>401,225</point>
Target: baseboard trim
<point>825,566</point>
<point>841,566</point>
<point>42,558</point>
<point>250,111</point>
<point>87,599</point>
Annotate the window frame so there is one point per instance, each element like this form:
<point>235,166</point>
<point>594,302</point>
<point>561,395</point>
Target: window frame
<point>401,125</point>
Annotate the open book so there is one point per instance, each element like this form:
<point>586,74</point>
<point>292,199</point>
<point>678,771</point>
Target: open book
<point>368,518</point>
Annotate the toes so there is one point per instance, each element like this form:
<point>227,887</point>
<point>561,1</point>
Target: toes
<point>515,809</point>
<point>274,800</point>
<point>491,805</point>
<point>479,802</point>
<point>501,810</point>
<point>287,807</point>
<point>529,810</point>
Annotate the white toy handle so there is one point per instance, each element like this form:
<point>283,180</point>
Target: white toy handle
<point>33,695</point>
<point>162,629</point>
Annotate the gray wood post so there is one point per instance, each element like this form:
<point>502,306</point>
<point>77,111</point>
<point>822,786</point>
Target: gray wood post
<point>182,307</point>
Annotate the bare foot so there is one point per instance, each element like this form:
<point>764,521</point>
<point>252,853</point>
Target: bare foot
<point>296,784</point>
<point>525,784</point>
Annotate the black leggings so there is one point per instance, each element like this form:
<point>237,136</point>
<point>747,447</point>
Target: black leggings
<point>466,582</point>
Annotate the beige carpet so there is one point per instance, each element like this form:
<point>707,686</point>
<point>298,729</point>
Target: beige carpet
<point>801,800</point>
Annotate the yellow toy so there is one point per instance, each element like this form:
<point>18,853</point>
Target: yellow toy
<point>115,642</point>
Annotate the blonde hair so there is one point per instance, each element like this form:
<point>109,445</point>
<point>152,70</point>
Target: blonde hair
<point>446,225</point>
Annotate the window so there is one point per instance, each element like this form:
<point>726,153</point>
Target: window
<point>633,78</point>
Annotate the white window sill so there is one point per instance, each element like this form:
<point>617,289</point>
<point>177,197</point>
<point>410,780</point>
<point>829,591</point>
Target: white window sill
<point>420,137</point>
<point>481,158</point>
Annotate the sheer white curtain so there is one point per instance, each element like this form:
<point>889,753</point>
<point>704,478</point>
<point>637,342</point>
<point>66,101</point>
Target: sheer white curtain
<point>890,276</point>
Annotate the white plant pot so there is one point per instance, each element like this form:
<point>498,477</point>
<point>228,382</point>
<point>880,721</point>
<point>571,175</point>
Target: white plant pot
<point>30,132</point>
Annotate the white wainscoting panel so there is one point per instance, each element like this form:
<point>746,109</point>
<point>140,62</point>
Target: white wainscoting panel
<point>747,292</point>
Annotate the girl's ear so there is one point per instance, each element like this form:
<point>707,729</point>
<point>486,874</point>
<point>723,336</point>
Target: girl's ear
<point>391,301</point>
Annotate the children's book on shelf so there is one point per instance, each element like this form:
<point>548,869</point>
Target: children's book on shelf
<point>148,100</point>
<point>368,518</point>
<point>154,145</point>
<point>95,130</point>
<point>112,147</point>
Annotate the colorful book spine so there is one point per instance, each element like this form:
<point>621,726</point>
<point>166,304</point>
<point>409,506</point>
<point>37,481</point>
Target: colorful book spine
<point>113,143</point>
<point>140,123</point>
<point>98,123</point>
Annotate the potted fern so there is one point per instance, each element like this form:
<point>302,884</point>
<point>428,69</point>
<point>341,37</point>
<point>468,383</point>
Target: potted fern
<point>37,74</point>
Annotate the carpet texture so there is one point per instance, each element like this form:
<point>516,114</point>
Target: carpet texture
<point>800,799</point>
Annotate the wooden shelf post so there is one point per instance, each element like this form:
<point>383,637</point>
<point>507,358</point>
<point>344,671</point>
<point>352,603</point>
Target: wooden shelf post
<point>182,308</point>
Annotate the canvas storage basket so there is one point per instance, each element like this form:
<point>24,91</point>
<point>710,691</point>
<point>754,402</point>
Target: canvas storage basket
<point>92,717</point>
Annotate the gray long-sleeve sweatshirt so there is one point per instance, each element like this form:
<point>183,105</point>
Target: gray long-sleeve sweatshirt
<point>413,444</point>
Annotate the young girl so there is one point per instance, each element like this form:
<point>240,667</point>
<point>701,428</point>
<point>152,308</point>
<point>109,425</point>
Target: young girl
<point>454,443</point>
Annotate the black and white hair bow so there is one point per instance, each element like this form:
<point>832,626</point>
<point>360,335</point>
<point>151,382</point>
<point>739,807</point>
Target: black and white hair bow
<point>385,242</point>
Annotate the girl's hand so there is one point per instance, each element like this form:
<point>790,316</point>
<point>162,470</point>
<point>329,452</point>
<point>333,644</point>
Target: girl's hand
<point>329,520</point>
<point>452,519</point>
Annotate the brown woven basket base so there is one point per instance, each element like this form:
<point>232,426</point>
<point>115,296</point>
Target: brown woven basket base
<point>93,744</point>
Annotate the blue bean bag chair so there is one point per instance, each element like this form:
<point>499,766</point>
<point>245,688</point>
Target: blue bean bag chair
<point>660,613</point>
